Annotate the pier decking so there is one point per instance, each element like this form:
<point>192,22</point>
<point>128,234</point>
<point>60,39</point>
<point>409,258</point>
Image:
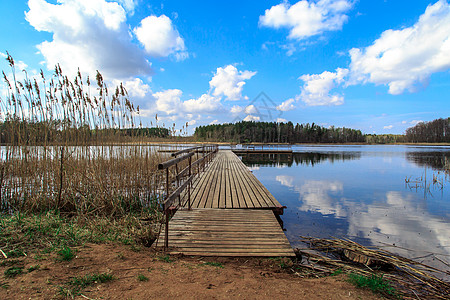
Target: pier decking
<point>228,183</point>
<point>232,214</point>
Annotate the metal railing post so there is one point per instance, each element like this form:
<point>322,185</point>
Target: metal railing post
<point>166,210</point>
<point>189,186</point>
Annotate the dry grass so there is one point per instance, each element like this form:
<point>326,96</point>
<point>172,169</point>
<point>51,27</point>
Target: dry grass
<point>411,279</point>
<point>58,152</point>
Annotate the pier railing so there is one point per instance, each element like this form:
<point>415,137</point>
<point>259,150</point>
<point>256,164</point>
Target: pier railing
<point>182,179</point>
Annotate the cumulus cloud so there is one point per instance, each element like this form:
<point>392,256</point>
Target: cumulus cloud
<point>129,5</point>
<point>286,105</point>
<point>135,87</point>
<point>92,35</point>
<point>281,120</point>
<point>160,38</point>
<point>251,109</point>
<point>405,59</point>
<point>415,122</point>
<point>236,109</point>
<point>229,82</point>
<point>388,127</point>
<point>317,87</point>
<point>305,18</point>
<point>252,118</point>
<point>206,103</point>
<point>168,101</point>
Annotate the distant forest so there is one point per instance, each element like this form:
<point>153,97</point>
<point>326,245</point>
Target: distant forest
<point>436,131</point>
<point>32,133</point>
<point>272,132</point>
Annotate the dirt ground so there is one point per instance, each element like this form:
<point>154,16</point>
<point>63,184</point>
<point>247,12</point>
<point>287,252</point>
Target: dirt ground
<point>168,277</point>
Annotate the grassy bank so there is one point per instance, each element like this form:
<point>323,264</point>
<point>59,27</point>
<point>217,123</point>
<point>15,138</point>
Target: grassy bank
<point>24,234</point>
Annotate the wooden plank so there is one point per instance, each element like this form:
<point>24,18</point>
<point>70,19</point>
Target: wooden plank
<point>249,197</point>
<point>228,196</point>
<point>214,201</point>
<point>198,189</point>
<point>208,185</point>
<point>227,232</point>
<point>223,186</point>
<point>227,183</point>
<point>243,198</point>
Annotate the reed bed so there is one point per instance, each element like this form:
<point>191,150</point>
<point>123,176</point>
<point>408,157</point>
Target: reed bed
<point>411,279</point>
<point>70,146</point>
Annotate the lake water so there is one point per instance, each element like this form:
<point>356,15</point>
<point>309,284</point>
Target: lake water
<point>362,193</point>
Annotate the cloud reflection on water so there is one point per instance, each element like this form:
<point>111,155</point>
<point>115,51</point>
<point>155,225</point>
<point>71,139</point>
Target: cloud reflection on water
<point>397,219</point>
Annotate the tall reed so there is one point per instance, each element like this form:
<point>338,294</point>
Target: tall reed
<point>63,147</point>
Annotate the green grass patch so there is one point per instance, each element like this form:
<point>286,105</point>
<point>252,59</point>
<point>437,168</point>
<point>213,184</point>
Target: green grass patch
<point>66,254</point>
<point>50,231</point>
<point>337,272</point>
<point>376,284</point>
<point>214,264</point>
<point>11,262</point>
<point>33,268</point>
<point>166,258</point>
<point>77,284</point>
<point>15,253</point>
<point>13,272</point>
<point>142,277</point>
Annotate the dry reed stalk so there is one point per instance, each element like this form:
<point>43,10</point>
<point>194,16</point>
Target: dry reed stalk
<point>411,278</point>
<point>64,148</point>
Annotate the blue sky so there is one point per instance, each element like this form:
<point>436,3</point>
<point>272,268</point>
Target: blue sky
<point>380,66</point>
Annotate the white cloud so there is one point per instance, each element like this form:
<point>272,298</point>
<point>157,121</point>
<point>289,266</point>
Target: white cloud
<point>168,104</point>
<point>92,35</point>
<point>160,38</point>
<point>415,122</point>
<point>286,105</point>
<point>129,5</point>
<point>388,127</point>
<point>229,82</point>
<point>214,122</point>
<point>135,87</point>
<point>405,59</point>
<point>206,103</point>
<point>305,19</point>
<point>281,120</point>
<point>236,109</point>
<point>251,109</point>
<point>317,87</point>
<point>192,122</point>
<point>168,101</point>
<point>252,118</point>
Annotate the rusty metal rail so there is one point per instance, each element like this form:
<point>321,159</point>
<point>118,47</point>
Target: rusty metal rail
<point>169,205</point>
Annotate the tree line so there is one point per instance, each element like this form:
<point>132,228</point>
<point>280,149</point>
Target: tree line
<point>436,131</point>
<point>272,132</point>
<point>17,131</point>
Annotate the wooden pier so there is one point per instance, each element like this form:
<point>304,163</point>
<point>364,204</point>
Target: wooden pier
<point>232,214</point>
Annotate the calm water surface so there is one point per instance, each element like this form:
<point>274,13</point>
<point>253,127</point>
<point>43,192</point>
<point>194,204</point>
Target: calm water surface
<point>359,192</point>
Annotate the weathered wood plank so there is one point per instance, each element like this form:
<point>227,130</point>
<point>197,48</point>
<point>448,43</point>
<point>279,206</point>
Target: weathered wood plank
<point>227,183</point>
<point>227,232</point>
